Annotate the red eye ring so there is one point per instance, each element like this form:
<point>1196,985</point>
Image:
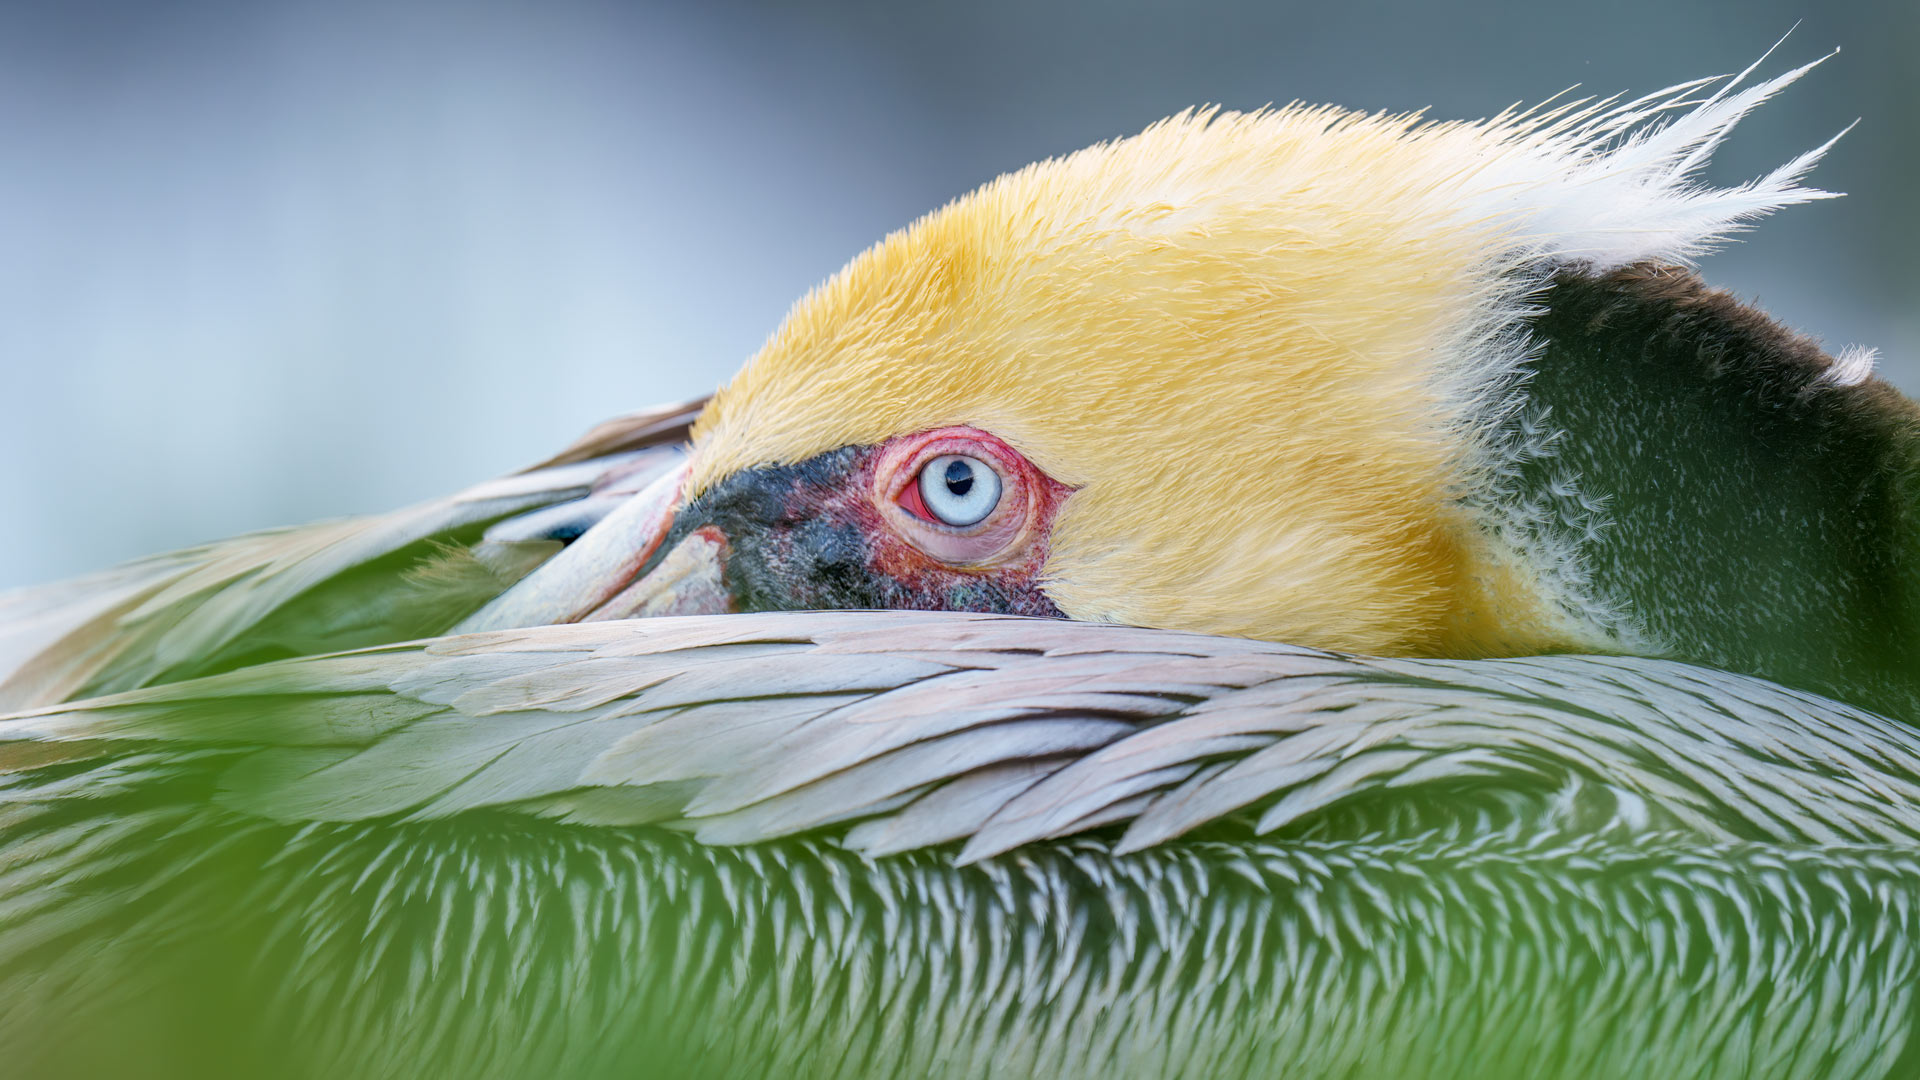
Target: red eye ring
<point>1003,535</point>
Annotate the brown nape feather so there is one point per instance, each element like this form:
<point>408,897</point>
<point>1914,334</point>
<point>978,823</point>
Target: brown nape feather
<point>1772,354</point>
<point>1760,508</point>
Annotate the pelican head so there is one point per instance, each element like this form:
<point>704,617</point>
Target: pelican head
<point>1271,374</point>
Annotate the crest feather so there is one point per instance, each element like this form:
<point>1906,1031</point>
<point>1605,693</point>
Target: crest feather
<point>1611,185</point>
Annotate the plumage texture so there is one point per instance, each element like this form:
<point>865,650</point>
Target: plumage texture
<point>896,844</point>
<point>931,728</point>
<point>408,861</point>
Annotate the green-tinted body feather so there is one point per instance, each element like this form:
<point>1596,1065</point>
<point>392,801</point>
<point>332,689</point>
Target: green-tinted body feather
<point>1728,488</point>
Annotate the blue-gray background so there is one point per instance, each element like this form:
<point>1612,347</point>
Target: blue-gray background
<point>267,262</point>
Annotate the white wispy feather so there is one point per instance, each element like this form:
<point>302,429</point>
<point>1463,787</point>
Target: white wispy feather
<point>1603,185</point>
<point>1852,366</point>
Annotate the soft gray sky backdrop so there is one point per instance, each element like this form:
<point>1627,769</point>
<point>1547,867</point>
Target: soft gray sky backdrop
<point>267,262</point>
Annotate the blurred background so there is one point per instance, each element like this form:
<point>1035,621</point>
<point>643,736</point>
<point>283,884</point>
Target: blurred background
<point>266,262</point>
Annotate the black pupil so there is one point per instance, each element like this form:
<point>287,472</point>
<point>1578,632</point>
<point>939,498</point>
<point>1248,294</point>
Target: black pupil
<point>959,477</point>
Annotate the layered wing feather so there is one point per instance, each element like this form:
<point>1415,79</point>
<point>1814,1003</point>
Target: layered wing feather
<point>918,729</point>
<point>317,588</point>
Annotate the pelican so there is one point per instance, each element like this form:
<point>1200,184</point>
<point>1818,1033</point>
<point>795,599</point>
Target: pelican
<point>1291,593</point>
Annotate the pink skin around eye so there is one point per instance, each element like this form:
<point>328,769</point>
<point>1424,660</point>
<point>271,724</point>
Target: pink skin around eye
<point>1011,537</point>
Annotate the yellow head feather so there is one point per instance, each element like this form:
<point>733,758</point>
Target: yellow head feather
<point>1271,352</point>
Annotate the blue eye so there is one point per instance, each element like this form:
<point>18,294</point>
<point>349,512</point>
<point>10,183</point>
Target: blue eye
<point>959,490</point>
